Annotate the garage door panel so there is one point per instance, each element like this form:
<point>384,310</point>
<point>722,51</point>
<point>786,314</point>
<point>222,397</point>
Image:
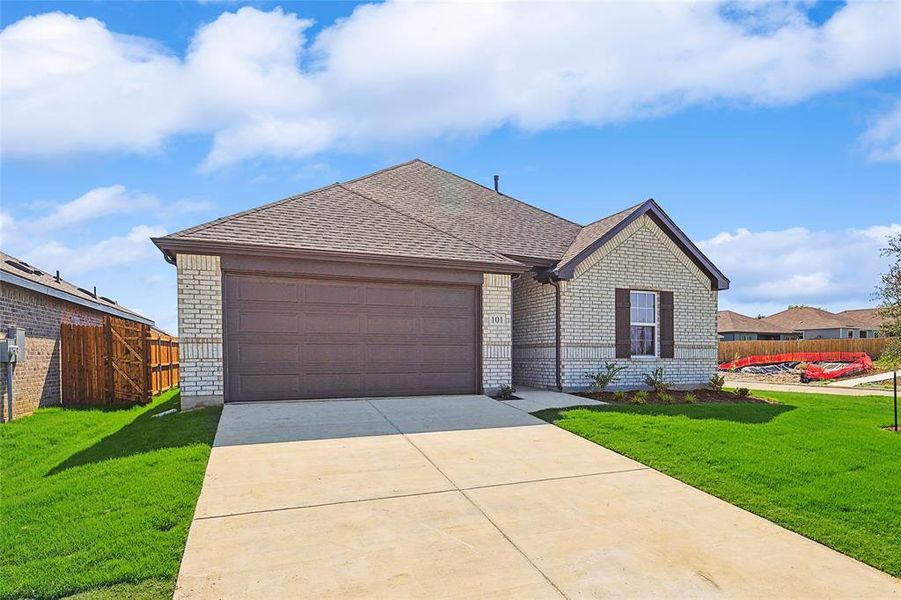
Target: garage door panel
<point>331,294</point>
<point>348,355</point>
<point>447,326</point>
<point>271,290</point>
<point>393,354</point>
<point>330,323</point>
<point>253,321</point>
<point>296,338</point>
<point>267,353</point>
<point>332,385</point>
<point>274,386</point>
<point>395,325</point>
<point>394,297</point>
<point>458,298</point>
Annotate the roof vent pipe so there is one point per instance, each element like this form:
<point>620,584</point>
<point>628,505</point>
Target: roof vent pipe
<point>56,277</point>
<point>497,182</point>
<point>95,291</point>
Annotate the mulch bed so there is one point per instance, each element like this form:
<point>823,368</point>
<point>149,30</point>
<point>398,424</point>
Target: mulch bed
<point>703,396</point>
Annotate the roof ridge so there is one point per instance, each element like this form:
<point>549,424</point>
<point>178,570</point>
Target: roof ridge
<point>515,199</point>
<point>420,221</point>
<point>249,211</point>
<point>631,208</point>
<point>386,169</point>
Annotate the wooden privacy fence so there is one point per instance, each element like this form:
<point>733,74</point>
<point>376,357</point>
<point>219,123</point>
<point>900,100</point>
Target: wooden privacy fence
<point>163,361</point>
<point>732,350</point>
<point>118,362</point>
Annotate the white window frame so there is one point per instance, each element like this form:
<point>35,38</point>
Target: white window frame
<point>652,324</point>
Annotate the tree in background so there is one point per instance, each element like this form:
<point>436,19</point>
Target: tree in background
<point>889,293</point>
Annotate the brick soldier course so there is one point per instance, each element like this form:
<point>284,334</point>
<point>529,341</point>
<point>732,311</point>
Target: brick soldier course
<point>548,288</point>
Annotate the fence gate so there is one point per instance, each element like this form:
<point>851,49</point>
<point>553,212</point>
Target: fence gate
<point>105,364</point>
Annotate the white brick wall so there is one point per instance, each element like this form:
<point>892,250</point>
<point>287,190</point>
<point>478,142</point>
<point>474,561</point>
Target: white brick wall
<point>639,257</point>
<point>534,333</point>
<point>496,332</point>
<point>200,330</point>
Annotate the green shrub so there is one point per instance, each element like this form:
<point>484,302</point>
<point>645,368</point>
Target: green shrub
<point>716,382</point>
<point>506,392</point>
<point>601,379</point>
<point>690,398</point>
<point>742,392</point>
<point>657,380</point>
<point>665,397</point>
<point>639,397</point>
<point>619,396</point>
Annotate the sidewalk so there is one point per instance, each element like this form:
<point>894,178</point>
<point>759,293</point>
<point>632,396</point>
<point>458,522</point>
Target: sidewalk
<point>807,389</point>
<point>859,380</point>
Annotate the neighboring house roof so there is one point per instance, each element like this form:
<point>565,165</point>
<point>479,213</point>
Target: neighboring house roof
<point>17,272</point>
<point>420,212</point>
<point>807,317</point>
<point>865,318</point>
<point>728,321</point>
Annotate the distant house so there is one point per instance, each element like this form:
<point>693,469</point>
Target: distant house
<point>39,302</point>
<point>816,323</point>
<point>733,326</point>
<point>868,319</point>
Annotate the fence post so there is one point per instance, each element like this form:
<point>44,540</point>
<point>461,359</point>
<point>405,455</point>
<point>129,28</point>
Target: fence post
<point>108,363</point>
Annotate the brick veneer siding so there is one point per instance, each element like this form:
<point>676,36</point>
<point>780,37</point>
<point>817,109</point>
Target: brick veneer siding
<point>534,333</point>
<point>496,332</point>
<point>37,379</point>
<point>200,330</point>
<point>639,257</point>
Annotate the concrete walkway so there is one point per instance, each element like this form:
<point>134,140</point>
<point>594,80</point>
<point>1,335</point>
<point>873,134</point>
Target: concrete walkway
<point>860,380</point>
<point>461,497</point>
<point>532,400</point>
<point>806,389</point>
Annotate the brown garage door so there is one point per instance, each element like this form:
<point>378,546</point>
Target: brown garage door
<point>290,338</point>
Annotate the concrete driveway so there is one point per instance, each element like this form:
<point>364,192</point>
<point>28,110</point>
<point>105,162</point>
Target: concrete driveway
<point>468,497</point>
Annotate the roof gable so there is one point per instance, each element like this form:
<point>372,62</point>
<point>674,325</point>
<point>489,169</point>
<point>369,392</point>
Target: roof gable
<point>593,236</point>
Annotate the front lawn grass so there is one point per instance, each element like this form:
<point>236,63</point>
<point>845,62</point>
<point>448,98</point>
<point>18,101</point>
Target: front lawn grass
<point>99,502</point>
<point>817,464</point>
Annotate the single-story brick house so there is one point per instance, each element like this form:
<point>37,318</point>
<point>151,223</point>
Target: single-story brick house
<point>811,323</point>
<point>414,280</point>
<point>39,302</point>
<point>733,326</point>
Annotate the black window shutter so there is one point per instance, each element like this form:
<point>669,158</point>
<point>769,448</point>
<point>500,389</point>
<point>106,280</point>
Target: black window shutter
<point>667,342</point>
<point>623,324</point>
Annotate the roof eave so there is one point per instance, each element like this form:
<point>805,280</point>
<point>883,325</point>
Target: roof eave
<point>170,247</point>
<point>718,281</point>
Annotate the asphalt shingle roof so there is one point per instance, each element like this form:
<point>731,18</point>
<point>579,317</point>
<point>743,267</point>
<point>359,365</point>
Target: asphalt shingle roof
<point>808,317</point>
<point>15,266</point>
<point>468,210</point>
<point>414,210</point>
<point>728,321</point>
<point>338,219</point>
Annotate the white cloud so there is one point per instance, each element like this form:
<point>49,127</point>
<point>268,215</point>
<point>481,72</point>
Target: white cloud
<point>399,71</point>
<point>882,139</point>
<point>114,251</point>
<point>772,269</point>
<point>95,203</point>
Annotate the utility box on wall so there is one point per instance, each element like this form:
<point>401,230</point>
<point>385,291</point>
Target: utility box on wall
<point>12,349</point>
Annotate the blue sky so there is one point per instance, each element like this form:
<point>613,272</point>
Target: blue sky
<point>771,135</point>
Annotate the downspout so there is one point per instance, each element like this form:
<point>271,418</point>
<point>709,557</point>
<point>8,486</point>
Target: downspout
<point>557,359</point>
